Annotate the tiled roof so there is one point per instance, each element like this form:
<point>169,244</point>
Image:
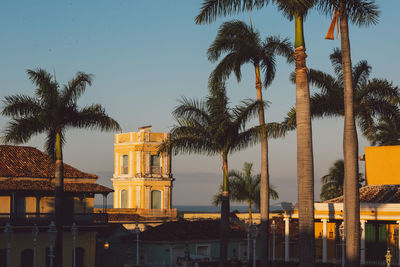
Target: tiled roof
<point>24,161</point>
<point>190,230</point>
<point>376,194</point>
<point>47,186</point>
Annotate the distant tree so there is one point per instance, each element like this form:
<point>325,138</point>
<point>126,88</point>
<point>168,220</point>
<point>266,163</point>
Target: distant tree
<point>332,183</point>
<point>386,132</point>
<point>245,187</point>
<point>211,127</point>
<point>52,111</point>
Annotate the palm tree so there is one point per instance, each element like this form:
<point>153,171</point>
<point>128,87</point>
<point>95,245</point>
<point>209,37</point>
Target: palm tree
<point>297,10</point>
<point>239,44</point>
<point>361,13</point>
<point>245,187</point>
<point>332,183</point>
<point>211,127</point>
<point>386,132</point>
<point>372,97</point>
<point>51,111</point>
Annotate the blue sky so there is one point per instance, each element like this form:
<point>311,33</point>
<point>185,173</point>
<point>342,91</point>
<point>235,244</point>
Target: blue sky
<point>147,54</point>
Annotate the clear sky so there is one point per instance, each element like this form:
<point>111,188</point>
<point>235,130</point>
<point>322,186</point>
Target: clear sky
<point>147,54</point>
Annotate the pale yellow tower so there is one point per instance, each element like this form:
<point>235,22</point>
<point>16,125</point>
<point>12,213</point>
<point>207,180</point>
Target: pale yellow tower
<point>142,178</point>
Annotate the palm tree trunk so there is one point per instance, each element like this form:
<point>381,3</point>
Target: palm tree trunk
<point>264,183</point>
<point>224,227</point>
<point>350,150</point>
<point>305,169</point>
<point>59,196</point>
<point>250,214</point>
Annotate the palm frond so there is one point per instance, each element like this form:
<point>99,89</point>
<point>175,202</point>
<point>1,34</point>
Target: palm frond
<point>21,106</point>
<point>92,117</point>
<point>20,130</point>
<point>211,9</point>
<point>76,87</point>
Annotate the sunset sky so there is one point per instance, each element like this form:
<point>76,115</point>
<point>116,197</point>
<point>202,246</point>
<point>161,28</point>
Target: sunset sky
<point>145,55</point>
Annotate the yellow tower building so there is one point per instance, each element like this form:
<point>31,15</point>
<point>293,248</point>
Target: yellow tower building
<point>142,177</point>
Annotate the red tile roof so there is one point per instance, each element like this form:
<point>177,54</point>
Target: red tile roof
<point>24,161</point>
<point>376,194</point>
<point>47,186</point>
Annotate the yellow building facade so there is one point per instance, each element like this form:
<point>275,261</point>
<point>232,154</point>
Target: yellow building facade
<point>142,177</point>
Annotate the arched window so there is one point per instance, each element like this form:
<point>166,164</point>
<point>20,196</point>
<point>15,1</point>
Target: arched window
<point>80,257</point>
<point>124,165</point>
<point>156,199</point>
<point>27,258</point>
<point>124,199</point>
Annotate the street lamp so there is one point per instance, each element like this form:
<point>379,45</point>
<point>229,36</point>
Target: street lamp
<point>8,236</point>
<point>74,231</point>
<point>137,232</point>
<point>273,239</point>
<point>341,233</point>
<point>35,232</point>
<point>52,232</point>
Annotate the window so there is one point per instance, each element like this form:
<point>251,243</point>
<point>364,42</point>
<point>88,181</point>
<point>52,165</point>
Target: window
<point>27,258</point>
<point>203,250</point>
<point>124,166</point>
<point>155,164</point>
<point>124,199</point>
<point>80,256</point>
<point>20,206</point>
<point>156,199</point>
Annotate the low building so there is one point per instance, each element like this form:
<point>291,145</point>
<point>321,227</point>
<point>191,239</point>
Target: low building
<point>27,199</point>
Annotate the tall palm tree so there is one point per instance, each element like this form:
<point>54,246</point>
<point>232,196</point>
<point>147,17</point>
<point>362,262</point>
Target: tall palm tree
<point>360,13</point>
<point>239,44</point>
<point>297,10</point>
<point>332,183</point>
<point>372,97</point>
<point>52,111</point>
<point>245,187</point>
<point>211,127</point>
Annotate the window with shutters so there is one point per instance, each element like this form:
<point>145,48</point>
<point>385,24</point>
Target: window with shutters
<point>124,165</point>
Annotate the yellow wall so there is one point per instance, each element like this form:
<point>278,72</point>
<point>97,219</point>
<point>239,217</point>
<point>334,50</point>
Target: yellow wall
<point>21,241</point>
<point>382,165</point>
<point>4,204</point>
<point>145,144</point>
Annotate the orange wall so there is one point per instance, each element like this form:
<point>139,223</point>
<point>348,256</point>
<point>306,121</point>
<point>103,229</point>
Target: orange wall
<point>382,165</point>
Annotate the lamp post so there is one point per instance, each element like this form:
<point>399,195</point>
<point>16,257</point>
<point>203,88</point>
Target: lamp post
<point>52,232</point>
<point>35,232</point>
<point>273,239</point>
<point>341,233</point>
<point>253,235</point>
<point>137,232</point>
<point>74,231</point>
<point>8,235</point>
<point>248,242</point>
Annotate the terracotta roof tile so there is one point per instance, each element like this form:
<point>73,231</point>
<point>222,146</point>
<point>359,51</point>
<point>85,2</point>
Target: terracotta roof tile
<point>376,194</point>
<point>47,186</point>
<point>24,161</point>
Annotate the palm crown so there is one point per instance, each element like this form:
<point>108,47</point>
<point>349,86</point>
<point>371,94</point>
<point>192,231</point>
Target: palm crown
<point>371,97</point>
<point>242,44</point>
<point>52,111</point>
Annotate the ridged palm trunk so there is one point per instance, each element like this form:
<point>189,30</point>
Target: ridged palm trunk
<point>59,196</point>
<point>250,214</point>
<point>264,183</point>
<point>305,169</point>
<point>224,227</point>
<point>350,150</point>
